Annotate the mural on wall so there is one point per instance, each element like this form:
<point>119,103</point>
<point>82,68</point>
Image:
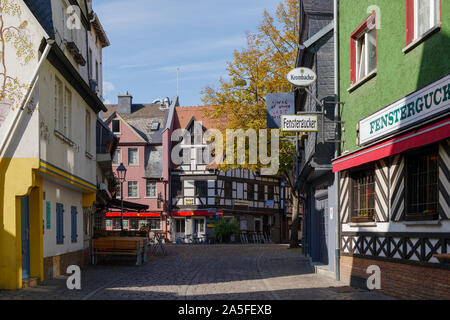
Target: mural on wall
<point>14,37</point>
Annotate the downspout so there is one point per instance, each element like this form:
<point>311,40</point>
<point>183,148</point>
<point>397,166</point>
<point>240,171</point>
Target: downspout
<point>19,113</point>
<point>337,146</point>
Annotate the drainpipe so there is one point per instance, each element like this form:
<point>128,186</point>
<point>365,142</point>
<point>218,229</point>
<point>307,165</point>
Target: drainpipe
<point>19,113</point>
<point>337,146</point>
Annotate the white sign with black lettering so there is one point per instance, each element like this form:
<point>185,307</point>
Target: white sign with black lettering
<point>303,123</point>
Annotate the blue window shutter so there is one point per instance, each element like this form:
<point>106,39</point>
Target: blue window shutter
<point>74,224</point>
<point>59,223</point>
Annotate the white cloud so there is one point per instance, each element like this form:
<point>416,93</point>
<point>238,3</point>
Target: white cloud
<point>108,87</point>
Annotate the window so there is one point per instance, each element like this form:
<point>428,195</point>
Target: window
<point>270,193</point>
<point>250,191</point>
<point>67,112</point>
<point>59,223</point>
<point>150,189</point>
<point>108,223</point>
<point>421,16</point>
<point>176,188</point>
<point>88,131</point>
<point>363,50</point>
<point>116,126</point>
<point>117,224</point>
<point>155,126</point>
<point>59,113</point>
<point>133,156</point>
<point>363,195</point>
<point>228,190</point>
<point>143,224</point>
<point>261,196</point>
<point>96,70</point>
<point>180,226</point>
<point>134,224</point>
<point>117,157</point>
<point>422,185</point>
<point>125,223</point>
<point>133,189</point>
<point>74,233</point>
<point>155,224</point>
<point>201,188</point>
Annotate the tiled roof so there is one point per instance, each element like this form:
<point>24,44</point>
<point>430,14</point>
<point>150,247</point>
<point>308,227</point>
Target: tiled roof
<point>141,118</point>
<point>183,115</point>
<point>42,10</point>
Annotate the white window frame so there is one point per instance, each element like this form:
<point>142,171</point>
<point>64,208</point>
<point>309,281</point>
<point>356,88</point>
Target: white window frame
<point>432,21</point>
<point>112,126</point>
<point>137,157</point>
<point>119,158</point>
<point>364,37</point>
<point>147,195</point>
<point>88,131</point>
<point>137,190</point>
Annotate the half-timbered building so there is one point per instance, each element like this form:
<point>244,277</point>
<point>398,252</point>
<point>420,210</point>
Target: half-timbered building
<point>201,193</point>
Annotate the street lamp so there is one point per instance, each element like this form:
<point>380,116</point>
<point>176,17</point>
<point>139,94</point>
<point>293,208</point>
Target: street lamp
<point>121,174</point>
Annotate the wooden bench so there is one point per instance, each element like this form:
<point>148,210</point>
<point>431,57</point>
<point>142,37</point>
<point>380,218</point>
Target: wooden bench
<point>117,246</point>
<point>443,258</point>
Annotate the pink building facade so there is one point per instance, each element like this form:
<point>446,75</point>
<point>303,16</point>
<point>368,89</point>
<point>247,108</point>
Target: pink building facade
<point>144,149</point>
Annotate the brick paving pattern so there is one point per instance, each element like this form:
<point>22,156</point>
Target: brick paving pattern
<point>191,272</point>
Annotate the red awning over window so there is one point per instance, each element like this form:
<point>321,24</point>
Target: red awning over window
<point>420,137</point>
<point>198,213</point>
<point>133,215</point>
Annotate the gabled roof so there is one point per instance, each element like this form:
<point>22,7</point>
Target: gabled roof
<point>140,120</point>
<point>185,115</point>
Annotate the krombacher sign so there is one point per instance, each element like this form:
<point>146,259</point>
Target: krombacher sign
<point>408,111</point>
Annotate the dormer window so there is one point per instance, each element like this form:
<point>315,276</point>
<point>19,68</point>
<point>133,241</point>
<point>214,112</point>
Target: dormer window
<point>155,126</point>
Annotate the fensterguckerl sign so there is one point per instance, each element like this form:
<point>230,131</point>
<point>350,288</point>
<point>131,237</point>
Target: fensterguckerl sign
<point>413,109</point>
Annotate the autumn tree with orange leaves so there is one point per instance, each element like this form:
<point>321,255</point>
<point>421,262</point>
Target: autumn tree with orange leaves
<point>258,70</point>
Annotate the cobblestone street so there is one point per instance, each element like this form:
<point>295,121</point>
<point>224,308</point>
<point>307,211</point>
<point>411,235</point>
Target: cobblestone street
<point>192,272</point>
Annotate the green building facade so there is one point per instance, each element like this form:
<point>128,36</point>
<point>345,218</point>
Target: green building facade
<point>394,167</point>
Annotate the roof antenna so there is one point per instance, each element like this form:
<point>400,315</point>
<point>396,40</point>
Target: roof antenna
<point>178,82</point>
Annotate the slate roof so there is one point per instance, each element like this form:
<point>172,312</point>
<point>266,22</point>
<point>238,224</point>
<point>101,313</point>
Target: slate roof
<point>141,118</point>
<point>42,10</point>
<point>318,6</point>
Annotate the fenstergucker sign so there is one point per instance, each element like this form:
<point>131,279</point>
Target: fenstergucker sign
<point>418,106</point>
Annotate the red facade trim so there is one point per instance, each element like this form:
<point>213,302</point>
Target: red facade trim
<point>409,21</point>
<point>414,139</point>
<point>133,215</point>
<point>196,213</point>
<point>353,37</point>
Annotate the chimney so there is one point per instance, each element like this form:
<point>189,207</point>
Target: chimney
<point>124,104</point>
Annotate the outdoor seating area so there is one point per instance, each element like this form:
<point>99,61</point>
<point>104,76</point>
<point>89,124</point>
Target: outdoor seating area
<point>120,246</point>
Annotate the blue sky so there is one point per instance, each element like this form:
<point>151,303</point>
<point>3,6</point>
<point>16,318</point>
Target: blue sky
<point>150,39</point>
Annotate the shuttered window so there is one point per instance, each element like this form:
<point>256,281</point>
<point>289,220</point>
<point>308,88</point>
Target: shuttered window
<point>74,233</point>
<point>59,223</point>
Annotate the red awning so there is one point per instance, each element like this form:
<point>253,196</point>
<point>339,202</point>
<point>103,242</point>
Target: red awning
<point>198,213</point>
<point>420,137</point>
<point>133,215</point>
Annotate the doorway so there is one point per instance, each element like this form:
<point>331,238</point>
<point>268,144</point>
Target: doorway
<point>180,229</point>
<point>25,235</point>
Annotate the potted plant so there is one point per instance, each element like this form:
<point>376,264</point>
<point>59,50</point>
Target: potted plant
<point>224,230</point>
